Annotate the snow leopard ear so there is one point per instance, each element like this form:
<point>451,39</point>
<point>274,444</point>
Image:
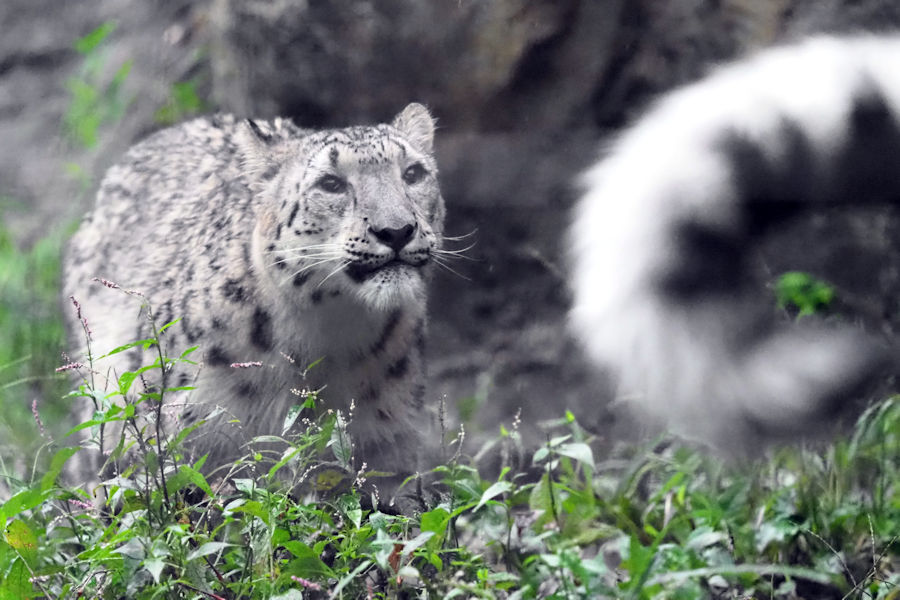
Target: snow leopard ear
<point>262,151</point>
<point>417,124</point>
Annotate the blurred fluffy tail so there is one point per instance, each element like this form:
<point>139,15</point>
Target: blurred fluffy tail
<point>660,242</point>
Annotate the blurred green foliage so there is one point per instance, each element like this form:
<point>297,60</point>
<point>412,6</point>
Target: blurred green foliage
<point>95,98</point>
<point>803,292</point>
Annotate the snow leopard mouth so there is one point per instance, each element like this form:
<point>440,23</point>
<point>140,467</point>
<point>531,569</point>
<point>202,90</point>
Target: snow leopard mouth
<point>359,272</point>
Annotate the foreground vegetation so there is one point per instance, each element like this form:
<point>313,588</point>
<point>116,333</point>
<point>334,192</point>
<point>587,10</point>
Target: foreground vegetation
<point>650,521</point>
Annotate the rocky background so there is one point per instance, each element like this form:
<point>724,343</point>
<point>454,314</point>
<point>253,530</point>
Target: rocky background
<point>524,91</point>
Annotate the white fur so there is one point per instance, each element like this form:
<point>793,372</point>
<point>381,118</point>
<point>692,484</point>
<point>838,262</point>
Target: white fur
<point>679,363</point>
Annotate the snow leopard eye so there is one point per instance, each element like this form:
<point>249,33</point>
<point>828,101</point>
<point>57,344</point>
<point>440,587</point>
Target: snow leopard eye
<point>414,174</point>
<point>331,184</point>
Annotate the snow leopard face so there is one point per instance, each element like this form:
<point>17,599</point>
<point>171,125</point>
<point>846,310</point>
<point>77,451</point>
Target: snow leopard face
<point>354,212</point>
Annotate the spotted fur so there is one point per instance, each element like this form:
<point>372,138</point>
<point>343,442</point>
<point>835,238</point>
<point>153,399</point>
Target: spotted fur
<point>668,219</point>
<point>269,241</point>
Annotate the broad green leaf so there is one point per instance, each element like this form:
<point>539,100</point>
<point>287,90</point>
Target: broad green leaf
<point>207,549</point>
<point>341,446</point>
<point>349,505</point>
<point>291,418</point>
<point>578,451</point>
<point>16,585</point>
<point>500,487</point>
<point>154,566</point>
<point>542,499</point>
<point>20,502</point>
<point>435,520</point>
<point>126,379</point>
<point>306,562</point>
<point>20,536</point>
<point>56,465</point>
<point>188,476</point>
<point>252,507</point>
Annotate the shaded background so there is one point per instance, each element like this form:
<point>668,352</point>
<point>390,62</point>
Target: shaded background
<point>524,91</point>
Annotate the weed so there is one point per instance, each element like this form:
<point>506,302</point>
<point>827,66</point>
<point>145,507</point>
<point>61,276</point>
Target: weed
<point>659,520</point>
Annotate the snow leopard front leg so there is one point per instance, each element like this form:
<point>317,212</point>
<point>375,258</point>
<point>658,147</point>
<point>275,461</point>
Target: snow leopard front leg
<point>661,238</point>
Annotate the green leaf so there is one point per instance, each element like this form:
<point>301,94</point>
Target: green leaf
<point>417,542</point>
<point>287,457</point>
<point>336,592</point>
<point>541,499</point>
<point>268,439</point>
<point>500,487</point>
<point>808,294</point>
<point>154,566</point>
<point>252,507</point>
<point>84,45</point>
<point>176,441</point>
<point>16,585</point>
<point>341,446</point>
<point>703,537</point>
<point>169,324</point>
<point>291,417</point>
<point>19,536</point>
<point>126,379</point>
<point>207,549</point>
<point>349,505</point>
<point>306,562</point>
<point>435,520</point>
<point>578,451</point>
<point>145,344</point>
<point>19,503</point>
<point>189,351</point>
<point>328,479</point>
<point>540,454</point>
<point>556,441</point>
<point>188,475</point>
<point>56,465</point>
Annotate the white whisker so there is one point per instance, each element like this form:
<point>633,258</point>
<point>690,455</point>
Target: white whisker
<point>316,255</point>
<point>447,267</point>
<point>339,268</point>
<point>459,237</point>
<point>308,267</point>
<point>455,253</point>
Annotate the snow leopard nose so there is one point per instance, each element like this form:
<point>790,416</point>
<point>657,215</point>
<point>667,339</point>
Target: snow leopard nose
<point>394,237</point>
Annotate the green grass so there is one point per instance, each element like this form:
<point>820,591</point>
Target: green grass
<point>32,337</point>
<point>651,521</point>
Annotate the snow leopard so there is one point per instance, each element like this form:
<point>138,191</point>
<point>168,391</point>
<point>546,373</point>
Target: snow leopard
<point>668,219</point>
<point>292,259</point>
